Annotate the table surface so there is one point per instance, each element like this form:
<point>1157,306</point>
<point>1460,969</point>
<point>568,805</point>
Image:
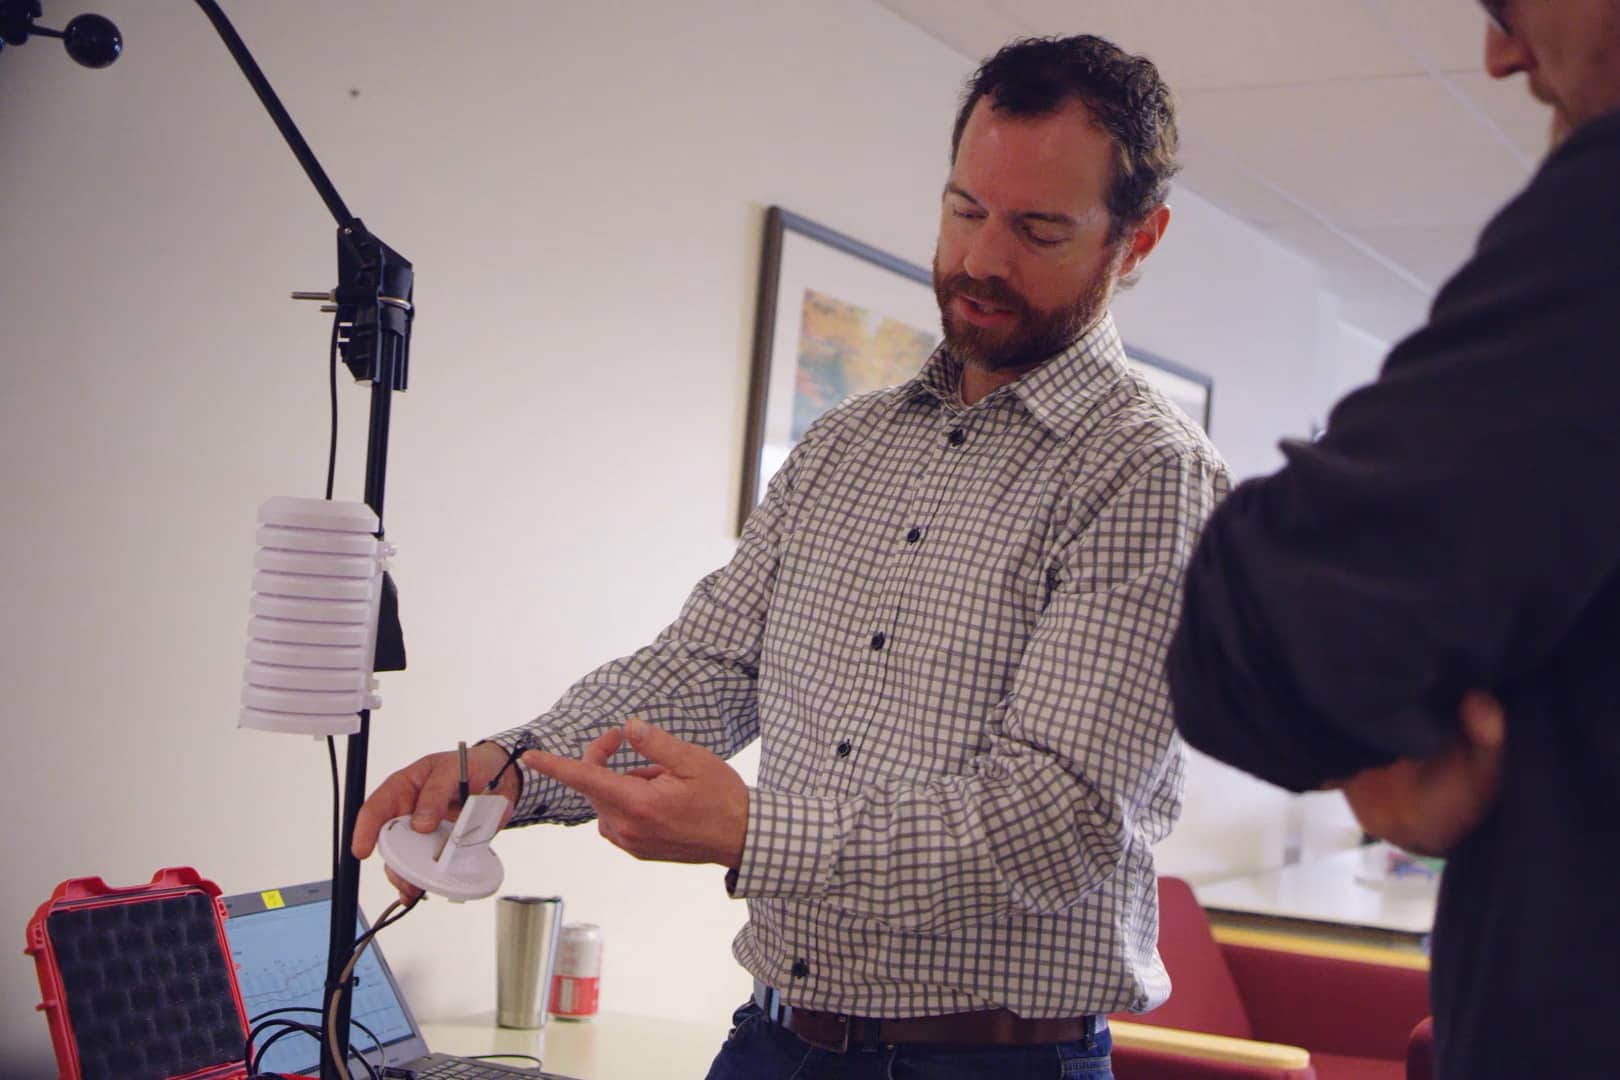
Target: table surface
<point>1329,890</point>
<point>609,1046</point>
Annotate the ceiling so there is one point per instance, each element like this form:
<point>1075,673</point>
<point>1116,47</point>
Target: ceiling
<point>1363,134</point>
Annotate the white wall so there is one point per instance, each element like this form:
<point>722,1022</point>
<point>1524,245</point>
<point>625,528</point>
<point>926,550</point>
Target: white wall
<point>1355,360</point>
<point>1219,296</point>
<point>581,187</point>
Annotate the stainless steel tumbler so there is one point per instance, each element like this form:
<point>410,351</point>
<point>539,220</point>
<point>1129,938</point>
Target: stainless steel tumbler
<point>525,948</point>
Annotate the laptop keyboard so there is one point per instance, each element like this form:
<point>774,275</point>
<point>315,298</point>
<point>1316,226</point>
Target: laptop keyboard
<point>447,1067</point>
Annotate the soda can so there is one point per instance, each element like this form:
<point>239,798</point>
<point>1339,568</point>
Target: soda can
<point>578,972</point>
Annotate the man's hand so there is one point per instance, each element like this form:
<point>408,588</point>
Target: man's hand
<point>688,806</point>
<point>427,790</point>
<point>1430,805</point>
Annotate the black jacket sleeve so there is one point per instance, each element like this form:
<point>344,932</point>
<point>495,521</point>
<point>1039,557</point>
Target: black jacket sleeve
<point>1447,529</point>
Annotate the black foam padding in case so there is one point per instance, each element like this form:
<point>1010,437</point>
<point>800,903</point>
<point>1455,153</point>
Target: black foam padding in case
<point>147,988</point>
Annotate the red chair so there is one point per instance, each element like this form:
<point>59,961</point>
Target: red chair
<point>1420,1052</point>
<point>1250,1005</point>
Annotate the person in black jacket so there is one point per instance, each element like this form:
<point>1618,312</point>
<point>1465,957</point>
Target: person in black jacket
<point>1423,606</point>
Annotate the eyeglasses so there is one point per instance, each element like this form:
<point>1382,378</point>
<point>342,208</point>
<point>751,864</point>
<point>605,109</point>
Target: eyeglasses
<point>1496,11</point>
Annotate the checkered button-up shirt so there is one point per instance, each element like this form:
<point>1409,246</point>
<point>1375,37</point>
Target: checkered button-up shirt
<point>947,624</point>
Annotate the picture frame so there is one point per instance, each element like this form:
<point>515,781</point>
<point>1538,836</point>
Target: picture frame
<point>1192,391</point>
<point>848,318</point>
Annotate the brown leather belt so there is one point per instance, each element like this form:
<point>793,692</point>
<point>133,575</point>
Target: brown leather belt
<point>990,1027</point>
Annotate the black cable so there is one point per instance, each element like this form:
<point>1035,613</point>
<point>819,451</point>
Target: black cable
<point>376,1043</point>
<point>391,915</point>
<point>511,759</point>
<point>337,801</point>
<point>288,1027</point>
<point>291,1027</point>
<point>331,385</point>
<point>386,921</point>
<point>371,1070</point>
<point>258,1021</point>
<point>331,742</point>
<point>331,473</point>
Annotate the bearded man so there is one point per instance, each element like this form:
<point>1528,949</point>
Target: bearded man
<point>946,623</point>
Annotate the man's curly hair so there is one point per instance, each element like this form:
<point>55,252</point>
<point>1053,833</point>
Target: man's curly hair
<point>1126,97</point>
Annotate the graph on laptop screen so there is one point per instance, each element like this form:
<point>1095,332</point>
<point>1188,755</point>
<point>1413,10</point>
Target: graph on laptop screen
<point>281,964</point>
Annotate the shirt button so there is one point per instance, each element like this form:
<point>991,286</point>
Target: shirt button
<point>957,437</point>
<point>801,968</point>
<point>844,748</point>
<point>878,640</point>
<point>913,536</point>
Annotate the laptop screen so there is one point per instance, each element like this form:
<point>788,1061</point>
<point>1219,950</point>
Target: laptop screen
<point>278,940</point>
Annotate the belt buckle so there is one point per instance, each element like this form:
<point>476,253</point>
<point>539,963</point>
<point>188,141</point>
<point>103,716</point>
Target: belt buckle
<point>841,1046</point>
<point>779,1012</point>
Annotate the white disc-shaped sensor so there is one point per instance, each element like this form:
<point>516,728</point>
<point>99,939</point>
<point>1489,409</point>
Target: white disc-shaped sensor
<point>454,860</point>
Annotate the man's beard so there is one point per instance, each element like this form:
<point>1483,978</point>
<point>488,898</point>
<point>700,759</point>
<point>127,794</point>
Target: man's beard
<point>1034,335</point>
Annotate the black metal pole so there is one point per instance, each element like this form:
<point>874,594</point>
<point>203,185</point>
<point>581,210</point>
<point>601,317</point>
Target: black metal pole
<point>373,302</point>
<point>346,886</point>
<point>345,904</point>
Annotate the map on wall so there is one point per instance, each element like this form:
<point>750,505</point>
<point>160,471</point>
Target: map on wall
<point>856,319</point>
<point>846,349</point>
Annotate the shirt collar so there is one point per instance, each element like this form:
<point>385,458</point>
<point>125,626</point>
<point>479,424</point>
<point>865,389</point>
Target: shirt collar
<point>1058,393</point>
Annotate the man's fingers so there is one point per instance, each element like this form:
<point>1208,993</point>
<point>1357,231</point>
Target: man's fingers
<point>647,772</point>
<point>400,794</point>
<point>385,804</point>
<point>433,801</point>
<point>592,781</point>
<point>1430,805</point>
<point>660,747</point>
<point>599,749</point>
<point>1484,722</point>
<point>407,891</point>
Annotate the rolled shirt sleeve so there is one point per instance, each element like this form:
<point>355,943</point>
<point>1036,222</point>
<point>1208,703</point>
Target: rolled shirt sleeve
<point>1448,528</point>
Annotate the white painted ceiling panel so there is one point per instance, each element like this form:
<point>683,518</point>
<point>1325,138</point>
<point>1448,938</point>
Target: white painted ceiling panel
<point>1448,33</point>
<point>1200,44</point>
<point>1226,182</point>
<point>1526,121</point>
<point>1432,252</point>
<point>1360,151</point>
<point>1362,133</point>
<point>974,28</point>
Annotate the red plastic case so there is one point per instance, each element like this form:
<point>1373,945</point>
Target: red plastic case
<point>173,989</point>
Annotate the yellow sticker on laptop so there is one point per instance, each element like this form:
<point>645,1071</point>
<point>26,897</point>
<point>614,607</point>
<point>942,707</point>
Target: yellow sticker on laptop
<point>272,899</point>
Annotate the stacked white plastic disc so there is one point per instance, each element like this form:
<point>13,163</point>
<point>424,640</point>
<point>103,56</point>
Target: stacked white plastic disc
<point>312,637</point>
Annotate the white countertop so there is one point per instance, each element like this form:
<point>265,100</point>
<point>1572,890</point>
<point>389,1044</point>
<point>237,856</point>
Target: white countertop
<point>1329,890</point>
<point>609,1046</point>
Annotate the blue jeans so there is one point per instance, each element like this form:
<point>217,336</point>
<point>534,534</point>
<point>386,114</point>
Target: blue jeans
<point>757,1049</point>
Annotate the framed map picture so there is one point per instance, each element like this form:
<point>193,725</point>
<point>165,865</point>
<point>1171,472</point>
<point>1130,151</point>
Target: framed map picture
<point>837,318</point>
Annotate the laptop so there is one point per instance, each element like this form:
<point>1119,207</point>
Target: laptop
<point>278,939</point>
